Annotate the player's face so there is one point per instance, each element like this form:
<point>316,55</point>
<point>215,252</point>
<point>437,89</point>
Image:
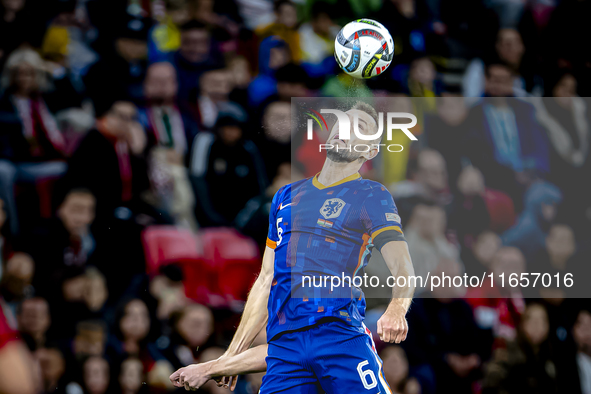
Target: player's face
<point>348,151</point>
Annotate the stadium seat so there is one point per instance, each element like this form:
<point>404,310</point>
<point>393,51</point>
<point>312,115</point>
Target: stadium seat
<point>168,244</point>
<point>219,264</point>
<point>236,260</point>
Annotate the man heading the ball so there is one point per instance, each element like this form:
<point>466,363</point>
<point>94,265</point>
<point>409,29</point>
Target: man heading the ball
<point>324,227</point>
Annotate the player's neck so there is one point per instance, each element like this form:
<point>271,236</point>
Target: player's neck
<point>334,172</point>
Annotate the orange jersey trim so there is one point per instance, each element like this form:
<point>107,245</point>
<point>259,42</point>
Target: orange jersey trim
<point>366,238</point>
<point>272,244</point>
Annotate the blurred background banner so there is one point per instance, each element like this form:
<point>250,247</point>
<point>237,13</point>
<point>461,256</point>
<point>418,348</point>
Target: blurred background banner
<point>142,142</point>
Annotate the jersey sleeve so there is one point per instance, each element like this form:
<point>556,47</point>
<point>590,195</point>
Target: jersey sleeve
<point>380,217</point>
<point>272,236</point>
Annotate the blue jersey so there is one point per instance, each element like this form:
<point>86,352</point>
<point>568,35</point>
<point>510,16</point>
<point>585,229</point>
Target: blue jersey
<point>324,231</point>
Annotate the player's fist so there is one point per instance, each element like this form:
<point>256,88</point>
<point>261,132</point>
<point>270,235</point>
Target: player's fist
<point>191,377</point>
<point>392,326</point>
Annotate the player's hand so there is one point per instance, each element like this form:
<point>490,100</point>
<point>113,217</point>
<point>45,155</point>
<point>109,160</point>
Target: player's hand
<point>392,326</point>
<point>191,377</point>
<point>228,382</point>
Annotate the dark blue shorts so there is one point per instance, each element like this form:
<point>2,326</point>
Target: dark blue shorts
<point>329,358</point>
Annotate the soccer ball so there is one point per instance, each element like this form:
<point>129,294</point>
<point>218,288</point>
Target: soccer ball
<point>363,48</point>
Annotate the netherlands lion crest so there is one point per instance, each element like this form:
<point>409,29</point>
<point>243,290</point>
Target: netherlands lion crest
<point>332,208</point>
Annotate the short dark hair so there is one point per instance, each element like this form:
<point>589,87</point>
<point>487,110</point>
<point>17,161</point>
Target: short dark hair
<point>498,63</point>
<point>291,73</point>
<point>279,3</point>
<point>319,8</point>
<point>75,190</point>
<point>368,109</point>
<point>193,24</point>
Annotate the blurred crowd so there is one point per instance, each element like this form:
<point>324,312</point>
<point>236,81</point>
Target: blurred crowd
<point>118,117</point>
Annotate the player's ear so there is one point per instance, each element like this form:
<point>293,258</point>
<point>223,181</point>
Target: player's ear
<point>373,152</point>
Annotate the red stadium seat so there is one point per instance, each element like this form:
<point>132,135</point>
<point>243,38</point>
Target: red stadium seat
<point>236,260</point>
<point>168,244</point>
<point>219,264</point>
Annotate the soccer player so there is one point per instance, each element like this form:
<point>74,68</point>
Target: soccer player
<point>325,226</point>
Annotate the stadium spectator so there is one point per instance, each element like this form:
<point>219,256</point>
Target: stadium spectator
<point>34,320</point>
<point>67,239</point>
<point>68,299</point>
<point>582,337</point>
<point>192,329</point>
<point>276,136</point>
<point>110,159</point>
<point>165,35</point>
<point>505,141</point>
<point>164,123</point>
<point>526,364</point>
<point>317,40</point>
<point>53,371</point>
<point>17,275</point>
<point>476,207</point>
<point>409,24</point>
<point>469,27</point>
<point>422,81</point>
<point>496,307</point>
<point>122,72</point>
<point>478,256</point>
<point>284,27</point>
<point>273,54</point>
<point>241,75</point>
<point>560,255</point>
<point>540,207</point>
<point>67,44</point>
<point>96,375</point>
<point>197,54</point>
<point>566,120</point>
<point>396,369</point>
<point>170,134</point>
<point>428,180</point>
<point>511,51</point>
<point>425,234</point>
<point>133,339</point>
<point>90,339</point>
<point>213,98</point>
<point>131,377</point>
<point>291,82</point>
<point>220,164</point>
<point>567,21</point>
<point>21,23</point>
<point>445,129</point>
<point>455,346</point>
<point>32,147</point>
<point>168,291</point>
<point>468,211</point>
<point>5,247</point>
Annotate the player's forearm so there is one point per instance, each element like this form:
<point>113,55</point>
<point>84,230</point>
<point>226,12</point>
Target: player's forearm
<point>253,319</point>
<point>255,313</point>
<point>397,258</point>
<point>250,361</point>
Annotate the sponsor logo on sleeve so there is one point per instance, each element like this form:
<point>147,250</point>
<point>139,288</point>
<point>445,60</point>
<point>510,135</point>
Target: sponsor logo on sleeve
<point>392,217</point>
